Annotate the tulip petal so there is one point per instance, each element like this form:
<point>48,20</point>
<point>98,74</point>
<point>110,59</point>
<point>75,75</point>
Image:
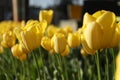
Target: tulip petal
<point>98,13</point>
<point>85,46</point>
<point>93,35</point>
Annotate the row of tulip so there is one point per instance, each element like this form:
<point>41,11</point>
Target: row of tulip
<point>99,31</point>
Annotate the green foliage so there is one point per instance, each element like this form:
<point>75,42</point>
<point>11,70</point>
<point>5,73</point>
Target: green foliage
<point>41,65</point>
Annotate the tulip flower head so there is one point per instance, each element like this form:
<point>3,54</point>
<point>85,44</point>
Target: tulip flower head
<point>99,31</point>
<point>46,43</point>
<point>18,53</point>
<point>46,15</point>
<point>30,36</point>
<point>59,42</point>
<point>9,39</point>
<point>73,40</point>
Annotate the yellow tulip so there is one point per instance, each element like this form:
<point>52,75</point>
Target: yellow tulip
<point>46,43</point>
<point>51,30</point>
<point>99,32</point>
<point>31,39</point>
<point>73,40</point>
<point>30,36</point>
<point>9,39</point>
<point>46,15</point>
<point>18,53</point>
<point>59,42</point>
<point>117,72</point>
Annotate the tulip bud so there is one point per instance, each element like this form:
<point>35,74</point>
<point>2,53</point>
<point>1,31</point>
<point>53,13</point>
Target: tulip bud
<point>59,42</point>
<point>46,15</point>
<point>9,39</point>
<point>73,40</point>
<point>46,43</point>
<point>15,50</point>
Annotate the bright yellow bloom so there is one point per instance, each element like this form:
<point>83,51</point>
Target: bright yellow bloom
<point>59,42</point>
<point>51,30</point>
<point>46,15</point>
<point>31,39</point>
<point>18,53</point>
<point>30,36</point>
<point>99,31</point>
<point>117,72</point>
<point>46,43</point>
<point>73,40</point>
<point>9,39</point>
<point>6,26</point>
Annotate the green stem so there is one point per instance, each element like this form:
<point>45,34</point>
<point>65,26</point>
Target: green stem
<point>107,65</point>
<point>98,65</point>
<point>60,65</point>
<point>35,58</point>
<point>113,55</point>
<point>65,66</point>
<point>13,63</point>
<point>23,70</point>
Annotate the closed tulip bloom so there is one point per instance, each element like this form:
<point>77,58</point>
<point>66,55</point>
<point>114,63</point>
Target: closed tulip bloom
<point>9,39</point>
<point>59,42</point>
<point>99,32</point>
<point>51,30</point>
<point>117,72</point>
<point>30,36</point>
<point>18,53</point>
<point>73,40</point>
<point>46,43</point>
<point>31,39</point>
<point>46,15</point>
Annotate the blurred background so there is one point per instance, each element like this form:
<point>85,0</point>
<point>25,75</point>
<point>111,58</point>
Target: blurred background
<point>66,11</point>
